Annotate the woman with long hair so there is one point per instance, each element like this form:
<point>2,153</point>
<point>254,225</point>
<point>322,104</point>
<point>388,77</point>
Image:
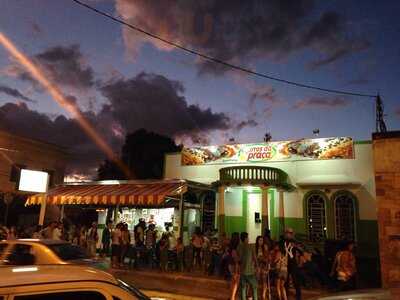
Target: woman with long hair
<point>262,257</point>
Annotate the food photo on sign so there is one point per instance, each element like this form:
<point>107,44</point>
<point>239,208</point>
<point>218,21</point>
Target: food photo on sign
<point>303,149</point>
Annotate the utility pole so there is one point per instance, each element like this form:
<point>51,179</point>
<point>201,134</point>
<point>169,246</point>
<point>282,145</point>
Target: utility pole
<point>380,122</point>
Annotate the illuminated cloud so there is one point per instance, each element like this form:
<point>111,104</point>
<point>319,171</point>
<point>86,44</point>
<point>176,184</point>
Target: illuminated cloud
<point>240,31</point>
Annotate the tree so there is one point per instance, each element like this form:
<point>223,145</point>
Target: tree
<point>109,170</point>
<point>143,153</point>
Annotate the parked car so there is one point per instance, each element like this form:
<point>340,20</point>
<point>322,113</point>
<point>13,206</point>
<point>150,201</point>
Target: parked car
<point>63,282</point>
<point>369,294</point>
<point>44,252</point>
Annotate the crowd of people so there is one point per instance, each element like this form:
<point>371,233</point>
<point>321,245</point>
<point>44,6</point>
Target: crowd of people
<point>251,269</point>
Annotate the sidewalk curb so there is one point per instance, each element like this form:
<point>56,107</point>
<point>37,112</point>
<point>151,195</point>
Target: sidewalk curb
<point>173,276</point>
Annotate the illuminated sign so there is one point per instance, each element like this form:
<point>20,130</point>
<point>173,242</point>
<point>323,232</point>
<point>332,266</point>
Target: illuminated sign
<point>303,149</point>
<point>33,181</point>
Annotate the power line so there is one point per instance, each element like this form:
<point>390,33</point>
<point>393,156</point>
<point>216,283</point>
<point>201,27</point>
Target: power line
<point>219,61</point>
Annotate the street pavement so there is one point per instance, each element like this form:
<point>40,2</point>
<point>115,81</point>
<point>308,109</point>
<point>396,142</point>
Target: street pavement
<point>181,286</point>
<point>170,285</point>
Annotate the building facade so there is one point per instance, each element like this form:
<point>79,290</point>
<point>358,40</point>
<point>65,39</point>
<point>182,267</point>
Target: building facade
<point>323,188</point>
<point>18,153</point>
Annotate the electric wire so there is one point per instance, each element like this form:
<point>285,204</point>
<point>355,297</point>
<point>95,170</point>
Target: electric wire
<point>219,61</point>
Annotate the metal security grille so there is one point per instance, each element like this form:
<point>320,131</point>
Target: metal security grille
<point>344,217</point>
<point>316,217</point>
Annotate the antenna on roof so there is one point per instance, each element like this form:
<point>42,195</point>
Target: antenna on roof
<point>267,136</point>
<point>380,122</point>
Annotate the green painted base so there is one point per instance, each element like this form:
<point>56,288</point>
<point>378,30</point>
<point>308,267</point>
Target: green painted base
<point>234,224</point>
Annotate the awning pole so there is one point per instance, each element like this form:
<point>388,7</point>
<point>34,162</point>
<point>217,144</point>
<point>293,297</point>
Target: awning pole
<point>42,210</point>
<point>181,208</point>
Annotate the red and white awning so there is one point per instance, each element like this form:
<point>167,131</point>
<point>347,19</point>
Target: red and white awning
<point>130,193</point>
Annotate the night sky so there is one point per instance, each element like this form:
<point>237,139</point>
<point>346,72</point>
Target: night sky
<point>122,80</point>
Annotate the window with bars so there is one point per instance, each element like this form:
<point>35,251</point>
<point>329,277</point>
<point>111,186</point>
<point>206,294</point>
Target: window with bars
<point>344,217</point>
<point>316,217</point>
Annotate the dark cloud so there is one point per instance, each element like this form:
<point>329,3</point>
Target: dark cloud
<point>63,65</point>
<point>15,93</point>
<point>267,94</point>
<point>240,31</point>
<point>328,36</point>
<point>397,112</point>
<point>145,101</point>
<point>156,103</point>
<point>321,102</point>
<point>36,29</point>
<point>246,123</point>
<point>63,131</point>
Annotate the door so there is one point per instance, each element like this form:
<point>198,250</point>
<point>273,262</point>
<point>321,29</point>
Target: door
<point>253,207</point>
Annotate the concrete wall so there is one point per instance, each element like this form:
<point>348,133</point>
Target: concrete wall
<point>33,154</point>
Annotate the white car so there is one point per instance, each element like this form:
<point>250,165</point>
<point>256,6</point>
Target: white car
<point>43,252</point>
<point>63,282</point>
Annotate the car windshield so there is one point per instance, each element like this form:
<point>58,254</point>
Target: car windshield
<point>68,251</point>
<point>132,290</point>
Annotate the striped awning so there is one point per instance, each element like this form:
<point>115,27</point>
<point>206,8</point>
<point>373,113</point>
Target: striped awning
<point>145,194</point>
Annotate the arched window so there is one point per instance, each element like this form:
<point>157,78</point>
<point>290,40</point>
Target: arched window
<point>344,216</point>
<point>316,216</point>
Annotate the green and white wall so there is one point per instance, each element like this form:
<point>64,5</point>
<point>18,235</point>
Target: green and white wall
<point>323,176</point>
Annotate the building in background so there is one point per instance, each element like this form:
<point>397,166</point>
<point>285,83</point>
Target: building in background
<point>18,153</point>
<point>323,188</point>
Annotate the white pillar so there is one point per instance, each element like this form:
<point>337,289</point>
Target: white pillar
<point>42,210</point>
<point>281,212</point>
